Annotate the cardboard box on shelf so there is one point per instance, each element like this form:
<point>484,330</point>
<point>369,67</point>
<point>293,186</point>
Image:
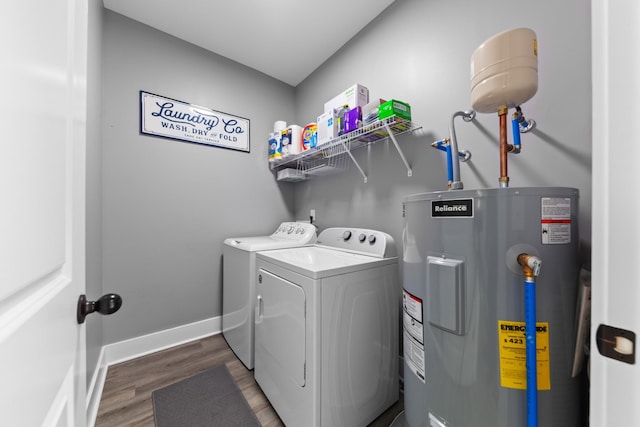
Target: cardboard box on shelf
<point>394,108</point>
<point>370,111</point>
<point>354,96</point>
<point>352,119</point>
<point>327,127</point>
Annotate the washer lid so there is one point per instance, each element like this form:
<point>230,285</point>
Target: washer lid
<point>317,262</point>
<point>287,235</point>
<point>260,243</point>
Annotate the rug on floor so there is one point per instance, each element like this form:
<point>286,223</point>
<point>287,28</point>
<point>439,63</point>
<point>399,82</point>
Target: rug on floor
<point>210,398</point>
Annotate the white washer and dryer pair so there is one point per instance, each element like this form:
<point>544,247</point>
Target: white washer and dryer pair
<point>327,328</point>
<point>238,283</point>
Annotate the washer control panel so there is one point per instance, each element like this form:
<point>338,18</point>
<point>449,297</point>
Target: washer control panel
<point>369,242</point>
<point>295,231</point>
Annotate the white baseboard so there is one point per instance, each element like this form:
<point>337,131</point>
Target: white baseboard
<point>146,344</point>
<point>135,347</point>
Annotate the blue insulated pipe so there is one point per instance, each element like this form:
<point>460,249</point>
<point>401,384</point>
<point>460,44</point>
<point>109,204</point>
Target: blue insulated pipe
<point>442,146</point>
<point>532,368</point>
<point>531,266</point>
<point>449,164</point>
<point>463,156</point>
<point>515,127</point>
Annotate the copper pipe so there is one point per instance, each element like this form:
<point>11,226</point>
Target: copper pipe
<point>504,175</point>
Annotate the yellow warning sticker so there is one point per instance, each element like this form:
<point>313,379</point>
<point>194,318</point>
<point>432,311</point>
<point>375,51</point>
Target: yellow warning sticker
<point>513,356</point>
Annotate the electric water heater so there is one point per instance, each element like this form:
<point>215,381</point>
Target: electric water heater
<point>463,309</point>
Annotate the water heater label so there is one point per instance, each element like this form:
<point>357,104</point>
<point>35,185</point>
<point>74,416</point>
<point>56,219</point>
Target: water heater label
<point>452,208</point>
<point>555,220</point>
<point>513,355</point>
<point>413,331</point>
<point>412,305</point>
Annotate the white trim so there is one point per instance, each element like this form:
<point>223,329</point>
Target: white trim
<point>614,385</point>
<point>61,408</point>
<point>146,344</point>
<point>94,393</point>
<point>13,315</point>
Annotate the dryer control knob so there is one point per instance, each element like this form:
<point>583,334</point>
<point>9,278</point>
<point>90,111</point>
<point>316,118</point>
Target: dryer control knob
<point>362,237</point>
<point>372,239</point>
<point>346,235</point>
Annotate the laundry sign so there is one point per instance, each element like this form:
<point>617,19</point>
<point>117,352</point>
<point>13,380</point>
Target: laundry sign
<point>170,118</point>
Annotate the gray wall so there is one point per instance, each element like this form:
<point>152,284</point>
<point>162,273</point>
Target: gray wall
<point>168,205</point>
<point>419,52</point>
<point>94,182</point>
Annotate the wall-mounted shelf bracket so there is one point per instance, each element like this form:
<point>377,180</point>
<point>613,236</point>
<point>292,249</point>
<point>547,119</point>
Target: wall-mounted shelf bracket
<point>395,142</point>
<point>353,159</point>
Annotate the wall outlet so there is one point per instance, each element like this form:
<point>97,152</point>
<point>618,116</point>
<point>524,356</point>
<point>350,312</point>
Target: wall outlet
<point>312,215</point>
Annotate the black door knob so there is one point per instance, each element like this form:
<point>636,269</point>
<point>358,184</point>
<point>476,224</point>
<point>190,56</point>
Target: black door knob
<point>106,304</point>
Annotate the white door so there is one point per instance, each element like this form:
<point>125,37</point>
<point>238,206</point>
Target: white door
<point>615,368</point>
<point>42,179</point>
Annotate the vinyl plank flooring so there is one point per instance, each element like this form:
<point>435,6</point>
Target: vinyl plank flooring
<point>126,397</point>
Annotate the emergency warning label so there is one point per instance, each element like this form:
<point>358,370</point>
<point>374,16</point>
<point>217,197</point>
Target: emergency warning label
<point>555,220</point>
<point>413,333</point>
<point>513,355</point>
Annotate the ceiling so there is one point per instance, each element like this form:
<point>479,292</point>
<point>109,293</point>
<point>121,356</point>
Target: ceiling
<point>285,39</point>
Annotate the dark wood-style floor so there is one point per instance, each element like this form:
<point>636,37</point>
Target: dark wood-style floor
<point>126,397</point>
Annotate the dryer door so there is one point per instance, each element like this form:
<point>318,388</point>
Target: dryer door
<point>280,328</point>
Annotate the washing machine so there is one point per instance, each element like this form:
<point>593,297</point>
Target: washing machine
<point>238,282</point>
<point>327,328</point>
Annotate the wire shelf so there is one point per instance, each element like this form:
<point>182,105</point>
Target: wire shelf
<point>335,154</point>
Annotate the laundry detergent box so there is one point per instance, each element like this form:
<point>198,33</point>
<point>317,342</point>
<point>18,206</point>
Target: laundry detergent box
<point>354,96</point>
<point>396,108</point>
<point>309,136</point>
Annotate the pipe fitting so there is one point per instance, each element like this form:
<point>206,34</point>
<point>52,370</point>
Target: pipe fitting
<point>524,125</point>
<point>527,125</point>
<point>468,115</point>
<point>530,264</point>
<point>441,144</point>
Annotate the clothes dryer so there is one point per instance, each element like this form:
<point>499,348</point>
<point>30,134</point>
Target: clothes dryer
<point>238,282</point>
<point>327,328</point>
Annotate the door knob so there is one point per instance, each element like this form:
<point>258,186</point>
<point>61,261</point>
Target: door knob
<point>106,304</point>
